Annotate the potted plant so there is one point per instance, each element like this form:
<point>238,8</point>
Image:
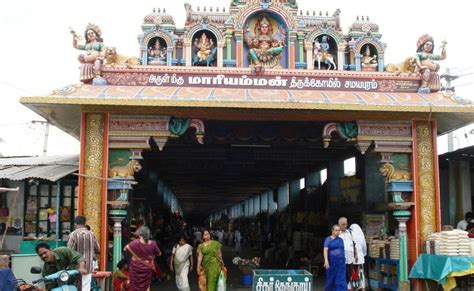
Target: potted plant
<point>246,267</point>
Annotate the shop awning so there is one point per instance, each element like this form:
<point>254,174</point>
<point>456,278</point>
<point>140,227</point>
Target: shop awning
<point>50,168</point>
<point>450,111</point>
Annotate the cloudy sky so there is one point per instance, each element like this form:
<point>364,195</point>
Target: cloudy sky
<point>38,57</point>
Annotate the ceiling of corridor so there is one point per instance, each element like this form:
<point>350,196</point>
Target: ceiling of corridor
<point>239,160</point>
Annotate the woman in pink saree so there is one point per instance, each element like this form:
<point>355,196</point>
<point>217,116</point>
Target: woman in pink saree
<point>142,263</point>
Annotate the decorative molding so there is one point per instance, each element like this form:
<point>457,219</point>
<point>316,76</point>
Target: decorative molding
<point>360,43</point>
<point>401,129</point>
<point>160,141</point>
<point>393,137</point>
<point>166,36</point>
<point>336,35</point>
<point>134,131</point>
<point>220,36</point>
<point>363,146</point>
<point>426,179</point>
<point>275,8</point>
<point>345,130</point>
<point>200,129</point>
<point>328,130</point>
<point>93,169</point>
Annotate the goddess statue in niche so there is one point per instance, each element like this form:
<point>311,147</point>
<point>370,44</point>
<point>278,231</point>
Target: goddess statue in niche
<point>157,54</point>
<point>368,62</point>
<point>265,47</point>
<point>205,51</point>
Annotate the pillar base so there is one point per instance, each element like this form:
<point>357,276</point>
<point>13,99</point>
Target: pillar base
<point>402,217</point>
<point>117,217</point>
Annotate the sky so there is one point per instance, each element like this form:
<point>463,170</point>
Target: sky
<point>38,57</point>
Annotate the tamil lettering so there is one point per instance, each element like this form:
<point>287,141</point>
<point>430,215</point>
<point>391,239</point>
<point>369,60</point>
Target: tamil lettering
<point>366,85</point>
<point>166,79</point>
<point>331,83</point>
<point>244,81</point>
<point>277,285</point>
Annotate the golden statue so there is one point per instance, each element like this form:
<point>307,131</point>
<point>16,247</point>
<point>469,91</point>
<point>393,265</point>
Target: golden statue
<point>391,174</point>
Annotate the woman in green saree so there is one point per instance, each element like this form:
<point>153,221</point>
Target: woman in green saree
<point>210,260</point>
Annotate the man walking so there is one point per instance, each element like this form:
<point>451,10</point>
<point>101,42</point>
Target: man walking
<point>84,242</point>
<point>349,247</point>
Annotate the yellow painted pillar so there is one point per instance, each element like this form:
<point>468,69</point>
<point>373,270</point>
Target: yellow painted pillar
<point>427,188</point>
<point>93,174</point>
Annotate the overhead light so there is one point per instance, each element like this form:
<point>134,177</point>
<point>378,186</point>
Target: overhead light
<point>251,145</point>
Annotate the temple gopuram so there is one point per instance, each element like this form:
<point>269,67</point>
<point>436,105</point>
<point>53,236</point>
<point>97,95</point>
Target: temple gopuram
<point>243,99</point>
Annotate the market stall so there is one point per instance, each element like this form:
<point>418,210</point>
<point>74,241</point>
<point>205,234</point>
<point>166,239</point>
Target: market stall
<point>448,254</point>
<point>41,202</point>
<point>442,269</point>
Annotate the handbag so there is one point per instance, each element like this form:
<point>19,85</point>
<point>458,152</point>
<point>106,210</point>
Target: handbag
<point>221,284</point>
<point>355,281</point>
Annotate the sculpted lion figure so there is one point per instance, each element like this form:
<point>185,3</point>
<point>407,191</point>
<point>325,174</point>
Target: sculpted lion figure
<point>126,171</point>
<point>409,67</point>
<point>113,58</point>
<point>391,174</point>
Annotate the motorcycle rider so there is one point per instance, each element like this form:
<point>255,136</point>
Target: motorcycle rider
<point>59,259</point>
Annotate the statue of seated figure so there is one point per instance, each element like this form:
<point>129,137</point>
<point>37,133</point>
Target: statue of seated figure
<point>157,54</point>
<point>265,48</point>
<point>368,62</point>
<point>425,60</point>
<point>205,51</point>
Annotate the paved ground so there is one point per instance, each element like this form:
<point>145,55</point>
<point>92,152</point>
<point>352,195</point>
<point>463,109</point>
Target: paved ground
<point>233,280</point>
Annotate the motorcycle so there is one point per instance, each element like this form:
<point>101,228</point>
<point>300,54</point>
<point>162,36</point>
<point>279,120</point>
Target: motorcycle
<point>61,278</point>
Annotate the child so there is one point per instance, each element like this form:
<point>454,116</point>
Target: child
<point>121,276</point>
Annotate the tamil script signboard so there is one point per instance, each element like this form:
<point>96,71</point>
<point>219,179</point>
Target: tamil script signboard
<point>282,280</point>
<point>336,82</point>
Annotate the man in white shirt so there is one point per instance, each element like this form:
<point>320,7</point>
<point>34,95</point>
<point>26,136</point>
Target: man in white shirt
<point>468,218</point>
<point>220,236</point>
<point>349,246</point>
<point>197,237</point>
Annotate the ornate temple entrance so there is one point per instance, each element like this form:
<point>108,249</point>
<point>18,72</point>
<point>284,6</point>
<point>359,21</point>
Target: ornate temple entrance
<point>238,102</point>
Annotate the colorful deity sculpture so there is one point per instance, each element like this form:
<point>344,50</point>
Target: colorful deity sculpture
<point>157,54</point>
<point>425,60</point>
<point>368,62</point>
<point>265,47</point>
<point>321,53</point>
<point>205,51</point>
<point>91,60</point>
